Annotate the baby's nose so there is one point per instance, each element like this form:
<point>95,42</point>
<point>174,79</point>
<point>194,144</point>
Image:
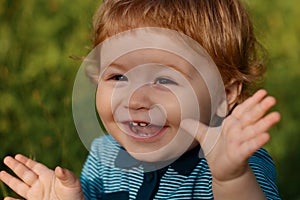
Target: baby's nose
<point>141,98</point>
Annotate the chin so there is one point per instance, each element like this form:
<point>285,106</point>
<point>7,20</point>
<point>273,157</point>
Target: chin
<point>160,155</point>
<point>171,151</point>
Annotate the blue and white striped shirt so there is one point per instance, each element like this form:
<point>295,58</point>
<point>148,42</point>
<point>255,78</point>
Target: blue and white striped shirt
<point>104,176</point>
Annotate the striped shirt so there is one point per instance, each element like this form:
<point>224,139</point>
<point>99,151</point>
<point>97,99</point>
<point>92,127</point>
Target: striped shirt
<point>105,175</point>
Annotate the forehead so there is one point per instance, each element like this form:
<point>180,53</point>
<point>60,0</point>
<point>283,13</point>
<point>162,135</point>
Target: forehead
<point>157,56</point>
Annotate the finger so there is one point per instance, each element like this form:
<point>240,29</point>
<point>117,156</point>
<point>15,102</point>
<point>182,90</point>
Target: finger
<point>257,111</point>
<point>249,147</point>
<point>195,128</point>
<point>22,171</point>
<point>261,126</point>
<point>249,103</point>
<point>206,136</point>
<point>36,167</point>
<point>10,198</point>
<point>66,177</point>
<point>15,184</point>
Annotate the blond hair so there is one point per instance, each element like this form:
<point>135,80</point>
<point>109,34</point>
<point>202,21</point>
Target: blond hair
<point>222,27</point>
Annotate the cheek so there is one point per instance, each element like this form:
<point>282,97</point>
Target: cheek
<point>103,103</point>
<point>170,103</point>
<point>205,111</point>
<point>204,103</point>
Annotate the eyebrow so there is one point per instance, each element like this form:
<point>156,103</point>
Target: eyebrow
<point>179,70</point>
<point>116,65</point>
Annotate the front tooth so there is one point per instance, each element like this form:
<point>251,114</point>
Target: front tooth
<point>134,124</point>
<point>142,124</point>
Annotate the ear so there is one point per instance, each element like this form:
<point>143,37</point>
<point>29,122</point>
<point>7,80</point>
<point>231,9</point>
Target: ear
<point>233,90</point>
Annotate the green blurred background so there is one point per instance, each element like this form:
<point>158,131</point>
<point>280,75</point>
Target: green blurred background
<point>36,39</point>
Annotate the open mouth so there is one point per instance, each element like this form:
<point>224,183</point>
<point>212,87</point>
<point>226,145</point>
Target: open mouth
<point>144,129</point>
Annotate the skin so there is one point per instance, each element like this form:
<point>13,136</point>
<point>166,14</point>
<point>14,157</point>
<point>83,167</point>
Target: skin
<point>243,133</point>
<point>128,86</point>
<point>39,182</point>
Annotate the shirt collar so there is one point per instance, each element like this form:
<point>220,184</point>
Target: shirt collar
<point>184,165</point>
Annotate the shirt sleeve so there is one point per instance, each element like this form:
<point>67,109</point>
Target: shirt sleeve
<point>264,169</point>
<point>90,178</point>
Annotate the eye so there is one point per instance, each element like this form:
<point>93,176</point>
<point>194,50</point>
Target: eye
<point>164,81</point>
<point>119,77</point>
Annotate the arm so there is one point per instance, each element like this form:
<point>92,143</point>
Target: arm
<point>39,182</point>
<point>243,133</point>
<point>244,186</point>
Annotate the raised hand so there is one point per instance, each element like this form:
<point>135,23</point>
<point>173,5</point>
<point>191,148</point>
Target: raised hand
<point>39,182</point>
<point>242,134</point>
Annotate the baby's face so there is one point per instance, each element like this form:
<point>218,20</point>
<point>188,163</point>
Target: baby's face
<point>143,96</point>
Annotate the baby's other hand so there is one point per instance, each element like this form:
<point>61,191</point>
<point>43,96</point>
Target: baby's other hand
<point>228,149</point>
<point>39,182</point>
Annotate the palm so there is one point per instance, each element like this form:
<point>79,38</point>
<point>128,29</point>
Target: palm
<point>43,187</point>
<point>236,149</point>
<point>242,134</point>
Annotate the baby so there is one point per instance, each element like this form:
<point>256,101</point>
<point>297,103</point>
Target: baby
<point>174,79</point>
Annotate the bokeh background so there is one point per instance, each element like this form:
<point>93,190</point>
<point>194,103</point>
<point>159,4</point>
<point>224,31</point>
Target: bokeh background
<point>37,39</point>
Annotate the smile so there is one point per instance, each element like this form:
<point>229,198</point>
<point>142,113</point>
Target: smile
<point>144,130</point>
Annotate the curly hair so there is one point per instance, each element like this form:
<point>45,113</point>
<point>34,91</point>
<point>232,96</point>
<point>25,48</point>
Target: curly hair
<point>222,27</point>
